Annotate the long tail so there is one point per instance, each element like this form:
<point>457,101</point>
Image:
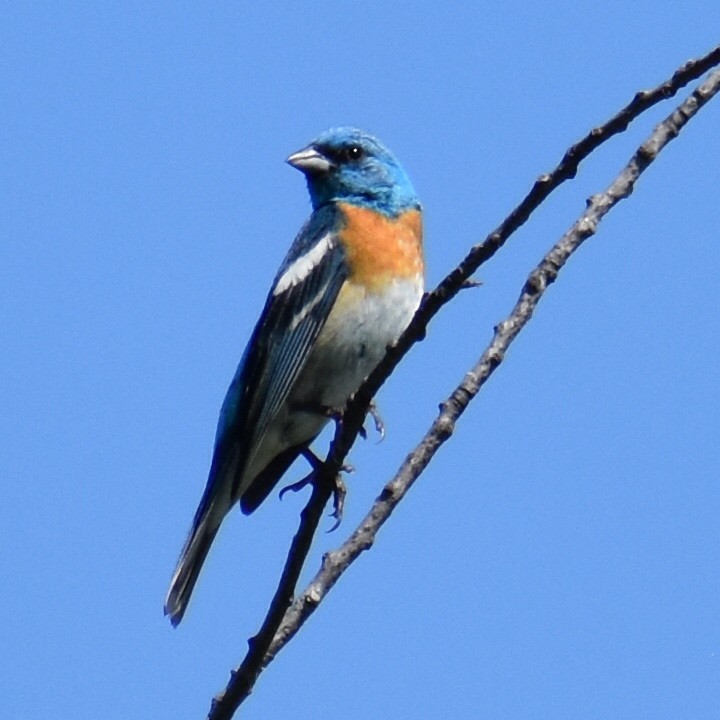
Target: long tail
<point>204,528</point>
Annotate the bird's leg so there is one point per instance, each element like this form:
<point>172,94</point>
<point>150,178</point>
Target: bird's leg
<point>339,490</point>
<point>312,458</point>
<point>316,462</point>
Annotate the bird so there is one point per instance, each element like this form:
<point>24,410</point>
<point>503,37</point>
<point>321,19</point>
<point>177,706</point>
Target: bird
<point>347,288</point>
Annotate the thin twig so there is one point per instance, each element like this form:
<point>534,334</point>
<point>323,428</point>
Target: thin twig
<point>336,562</point>
<point>244,677</point>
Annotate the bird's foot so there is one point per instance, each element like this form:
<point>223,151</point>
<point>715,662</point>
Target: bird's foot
<point>339,494</point>
<point>339,490</point>
<point>299,485</point>
<point>316,462</point>
<point>377,421</point>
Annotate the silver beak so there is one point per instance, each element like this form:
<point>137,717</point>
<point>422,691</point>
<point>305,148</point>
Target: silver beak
<point>309,160</point>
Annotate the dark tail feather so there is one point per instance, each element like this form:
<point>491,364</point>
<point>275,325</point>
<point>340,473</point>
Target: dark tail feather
<point>265,481</point>
<point>191,560</point>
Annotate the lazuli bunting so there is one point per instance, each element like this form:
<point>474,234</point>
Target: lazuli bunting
<point>347,288</point>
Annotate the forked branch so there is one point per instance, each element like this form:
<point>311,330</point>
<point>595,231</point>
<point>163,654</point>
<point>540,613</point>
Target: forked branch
<point>281,622</point>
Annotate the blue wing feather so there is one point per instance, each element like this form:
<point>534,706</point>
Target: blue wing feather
<point>278,350</point>
<point>279,347</point>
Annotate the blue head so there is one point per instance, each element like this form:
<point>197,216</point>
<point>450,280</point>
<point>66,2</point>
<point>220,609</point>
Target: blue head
<point>348,165</point>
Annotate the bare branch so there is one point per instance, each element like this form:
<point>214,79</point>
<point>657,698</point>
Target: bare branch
<point>455,281</point>
<point>243,678</point>
<point>263,647</point>
<point>336,562</point>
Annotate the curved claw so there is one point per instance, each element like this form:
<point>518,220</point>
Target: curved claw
<point>339,489</point>
<point>339,493</point>
<point>379,424</point>
<point>299,485</point>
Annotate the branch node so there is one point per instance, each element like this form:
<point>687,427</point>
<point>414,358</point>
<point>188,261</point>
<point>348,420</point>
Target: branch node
<point>386,494</point>
<point>585,228</point>
<point>495,356</point>
<point>535,284</point>
<point>471,283</point>
<point>444,427</point>
<point>646,153</point>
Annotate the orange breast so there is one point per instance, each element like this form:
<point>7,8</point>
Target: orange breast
<point>380,249</point>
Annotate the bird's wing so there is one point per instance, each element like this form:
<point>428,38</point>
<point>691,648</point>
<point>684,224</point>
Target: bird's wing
<point>295,312</point>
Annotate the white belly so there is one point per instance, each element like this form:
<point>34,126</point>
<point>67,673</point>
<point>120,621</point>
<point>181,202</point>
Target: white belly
<point>357,332</point>
<point>353,341</point>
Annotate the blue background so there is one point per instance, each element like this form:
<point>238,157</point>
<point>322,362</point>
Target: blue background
<point>559,559</point>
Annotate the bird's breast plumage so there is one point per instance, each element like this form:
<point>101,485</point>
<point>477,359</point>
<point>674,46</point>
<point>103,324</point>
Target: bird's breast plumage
<point>375,304</point>
<point>380,249</point>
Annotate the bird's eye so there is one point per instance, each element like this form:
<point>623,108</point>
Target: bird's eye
<point>351,153</point>
<point>343,154</point>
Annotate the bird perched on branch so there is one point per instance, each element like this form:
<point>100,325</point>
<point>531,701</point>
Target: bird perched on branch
<point>348,287</point>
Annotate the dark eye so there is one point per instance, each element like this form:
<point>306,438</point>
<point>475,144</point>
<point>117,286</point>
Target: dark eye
<point>347,154</point>
<point>343,154</point>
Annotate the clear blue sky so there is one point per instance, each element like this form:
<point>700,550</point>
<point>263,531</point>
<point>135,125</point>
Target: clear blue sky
<point>561,557</point>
